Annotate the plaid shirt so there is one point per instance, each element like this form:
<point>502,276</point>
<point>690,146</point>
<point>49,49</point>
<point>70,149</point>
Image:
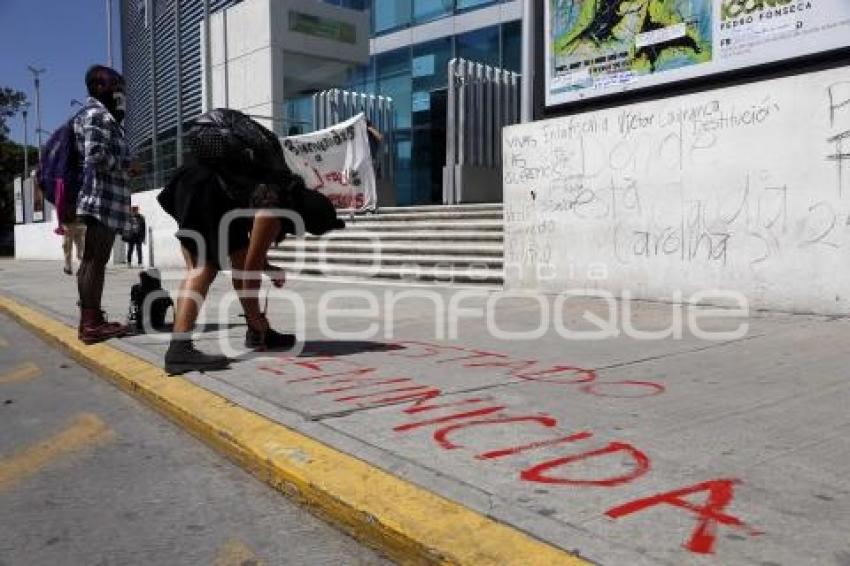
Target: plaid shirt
<point>104,193</point>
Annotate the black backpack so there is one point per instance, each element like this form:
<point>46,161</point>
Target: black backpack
<point>148,296</point>
<point>244,154</point>
<point>239,148</point>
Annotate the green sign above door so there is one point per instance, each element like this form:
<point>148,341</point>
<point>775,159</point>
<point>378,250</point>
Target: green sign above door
<point>334,30</point>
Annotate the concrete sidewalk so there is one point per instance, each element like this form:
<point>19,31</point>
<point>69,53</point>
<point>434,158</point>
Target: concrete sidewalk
<point>623,450</point>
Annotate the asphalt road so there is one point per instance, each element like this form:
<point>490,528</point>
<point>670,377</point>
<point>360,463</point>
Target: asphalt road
<point>89,476</point>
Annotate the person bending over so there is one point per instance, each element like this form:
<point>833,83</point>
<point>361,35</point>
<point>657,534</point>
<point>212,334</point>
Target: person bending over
<point>220,177</point>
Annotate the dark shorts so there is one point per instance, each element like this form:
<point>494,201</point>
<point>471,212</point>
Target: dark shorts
<point>195,199</point>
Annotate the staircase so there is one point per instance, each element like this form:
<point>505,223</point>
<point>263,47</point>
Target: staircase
<point>460,244</point>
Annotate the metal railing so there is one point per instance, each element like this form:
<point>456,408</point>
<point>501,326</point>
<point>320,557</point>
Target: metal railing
<point>333,106</point>
<point>481,101</point>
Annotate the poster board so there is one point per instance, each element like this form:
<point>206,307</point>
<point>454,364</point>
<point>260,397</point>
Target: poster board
<point>337,162</point>
<point>597,47</point>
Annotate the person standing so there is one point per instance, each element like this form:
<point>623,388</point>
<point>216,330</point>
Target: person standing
<point>135,236</point>
<point>375,139</point>
<point>73,234</point>
<point>103,203</point>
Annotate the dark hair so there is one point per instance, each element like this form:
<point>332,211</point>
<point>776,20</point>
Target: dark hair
<point>100,76</point>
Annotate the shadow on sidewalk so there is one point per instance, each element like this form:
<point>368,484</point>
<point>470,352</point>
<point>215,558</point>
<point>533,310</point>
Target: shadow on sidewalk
<point>322,348</point>
<point>199,329</point>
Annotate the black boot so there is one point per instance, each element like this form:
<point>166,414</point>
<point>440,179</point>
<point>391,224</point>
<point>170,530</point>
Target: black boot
<point>268,340</point>
<point>182,357</point>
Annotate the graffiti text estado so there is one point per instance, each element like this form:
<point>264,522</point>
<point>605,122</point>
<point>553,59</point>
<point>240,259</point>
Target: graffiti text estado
<point>425,409</point>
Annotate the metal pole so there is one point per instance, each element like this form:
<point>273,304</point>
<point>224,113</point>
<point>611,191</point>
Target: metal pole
<point>150,247</point>
<point>38,115</point>
<point>35,73</point>
<point>527,82</point>
<point>451,134</point>
<point>207,58</point>
<point>26,147</point>
<point>154,106</point>
<point>109,30</point>
<point>178,148</point>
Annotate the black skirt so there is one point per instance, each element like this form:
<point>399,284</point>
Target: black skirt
<point>195,198</point>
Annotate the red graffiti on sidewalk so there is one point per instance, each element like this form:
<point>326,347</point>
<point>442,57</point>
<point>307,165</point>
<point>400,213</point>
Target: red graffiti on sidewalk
<point>528,370</point>
<point>538,473</point>
<point>712,513</point>
<point>441,436</point>
<point>447,419</point>
<point>512,451</point>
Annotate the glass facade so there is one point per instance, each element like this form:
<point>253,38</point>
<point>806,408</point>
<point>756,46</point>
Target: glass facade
<point>463,5</point>
<point>415,77</point>
<point>392,15</point>
<point>481,46</point>
<point>427,10</point>
<point>152,74</point>
<point>352,4</point>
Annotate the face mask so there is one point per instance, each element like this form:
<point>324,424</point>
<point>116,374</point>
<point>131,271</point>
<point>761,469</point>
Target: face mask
<point>119,106</point>
<point>115,103</point>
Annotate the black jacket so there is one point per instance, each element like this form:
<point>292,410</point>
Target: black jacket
<point>137,230</point>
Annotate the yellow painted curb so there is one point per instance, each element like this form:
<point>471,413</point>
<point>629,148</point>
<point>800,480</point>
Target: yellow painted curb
<point>410,524</point>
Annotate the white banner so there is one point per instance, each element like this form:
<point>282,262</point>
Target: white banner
<point>336,162</point>
<point>596,48</point>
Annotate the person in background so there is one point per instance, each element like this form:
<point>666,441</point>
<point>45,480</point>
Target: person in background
<point>73,234</point>
<point>135,236</point>
<point>103,203</point>
<point>375,139</point>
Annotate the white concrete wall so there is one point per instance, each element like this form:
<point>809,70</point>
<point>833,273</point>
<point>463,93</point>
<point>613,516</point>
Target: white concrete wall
<point>38,242</point>
<point>242,58</point>
<point>248,46</point>
<point>732,189</point>
<point>166,248</point>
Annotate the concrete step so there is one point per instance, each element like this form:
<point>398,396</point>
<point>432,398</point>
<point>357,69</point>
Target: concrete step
<point>385,282</point>
<point>461,274</point>
<point>384,259</point>
<point>386,247</point>
<point>449,245</point>
<point>412,237</point>
<point>390,226</point>
<point>431,208</point>
<point>426,216</point>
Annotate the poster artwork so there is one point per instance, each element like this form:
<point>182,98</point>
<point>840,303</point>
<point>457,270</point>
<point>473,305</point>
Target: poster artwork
<point>599,43</point>
<point>598,47</point>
